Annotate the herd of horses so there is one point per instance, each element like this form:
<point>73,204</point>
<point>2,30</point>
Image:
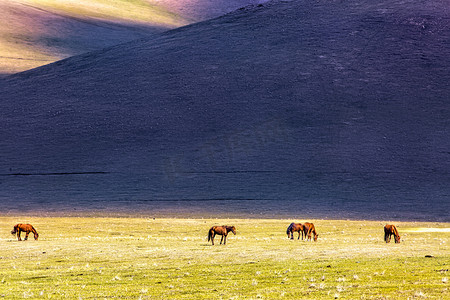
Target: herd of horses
<point>306,230</point>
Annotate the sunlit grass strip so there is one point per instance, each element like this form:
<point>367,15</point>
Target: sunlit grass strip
<point>171,259</point>
<point>26,42</point>
<point>16,56</point>
<point>119,10</point>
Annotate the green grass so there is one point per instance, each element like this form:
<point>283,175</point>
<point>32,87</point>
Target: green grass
<point>171,259</point>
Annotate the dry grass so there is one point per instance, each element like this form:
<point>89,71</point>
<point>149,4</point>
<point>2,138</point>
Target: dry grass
<point>38,32</point>
<point>125,10</point>
<point>170,258</point>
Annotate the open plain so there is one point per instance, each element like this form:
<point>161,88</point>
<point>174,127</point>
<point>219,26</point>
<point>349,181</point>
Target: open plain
<point>146,258</point>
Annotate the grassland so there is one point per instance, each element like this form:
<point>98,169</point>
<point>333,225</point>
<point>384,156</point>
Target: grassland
<point>93,257</point>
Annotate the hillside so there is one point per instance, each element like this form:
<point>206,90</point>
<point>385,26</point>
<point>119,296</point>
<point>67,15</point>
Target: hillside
<point>291,107</point>
<point>38,32</point>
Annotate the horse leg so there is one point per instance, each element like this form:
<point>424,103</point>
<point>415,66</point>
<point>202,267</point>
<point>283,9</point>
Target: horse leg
<point>18,235</point>
<point>212,237</point>
<point>221,240</point>
<point>225,239</point>
<point>26,235</point>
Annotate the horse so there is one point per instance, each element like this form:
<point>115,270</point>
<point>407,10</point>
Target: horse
<point>293,227</point>
<point>27,228</point>
<point>390,230</point>
<point>309,228</point>
<point>220,230</point>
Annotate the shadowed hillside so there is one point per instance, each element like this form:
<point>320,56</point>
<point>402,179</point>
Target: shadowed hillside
<point>287,108</point>
<point>204,9</point>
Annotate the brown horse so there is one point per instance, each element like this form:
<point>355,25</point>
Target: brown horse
<point>27,228</point>
<point>295,227</point>
<point>390,230</point>
<point>309,228</point>
<point>220,230</point>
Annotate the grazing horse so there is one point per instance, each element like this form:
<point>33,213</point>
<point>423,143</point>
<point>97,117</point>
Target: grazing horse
<point>27,228</point>
<point>293,228</point>
<point>390,230</point>
<point>309,228</point>
<point>220,230</point>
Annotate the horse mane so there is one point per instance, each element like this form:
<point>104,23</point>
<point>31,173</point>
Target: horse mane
<point>394,229</point>
<point>231,228</point>
<point>36,235</point>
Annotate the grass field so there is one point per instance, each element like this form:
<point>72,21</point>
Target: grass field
<point>134,258</point>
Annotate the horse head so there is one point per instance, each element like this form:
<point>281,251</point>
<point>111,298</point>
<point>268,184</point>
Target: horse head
<point>288,230</point>
<point>233,229</point>
<point>36,236</point>
<point>14,231</point>
<point>397,239</point>
<point>315,237</point>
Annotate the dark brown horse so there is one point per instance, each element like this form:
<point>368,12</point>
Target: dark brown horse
<point>27,228</point>
<point>220,230</point>
<point>295,227</point>
<point>390,230</point>
<point>309,228</point>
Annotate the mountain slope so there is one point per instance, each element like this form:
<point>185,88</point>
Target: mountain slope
<point>334,108</point>
<point>33,33</point>
<point>38,32</point>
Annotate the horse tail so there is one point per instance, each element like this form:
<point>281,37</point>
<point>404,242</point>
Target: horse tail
<point>210,233</point>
